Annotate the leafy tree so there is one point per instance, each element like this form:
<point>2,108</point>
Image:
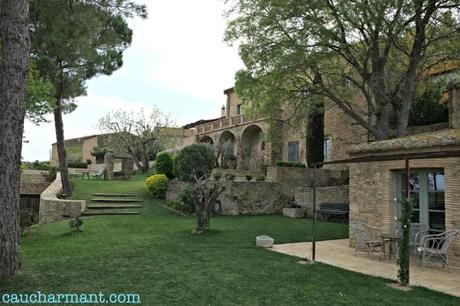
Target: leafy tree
<point>139,134</point>
<point>86,39</point>
<point>195,162</point>
<point>367,56</point>
<point>40,99</point>
<point>14,55</point>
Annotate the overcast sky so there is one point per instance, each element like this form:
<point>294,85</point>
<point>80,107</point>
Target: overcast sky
<point>177,61</point>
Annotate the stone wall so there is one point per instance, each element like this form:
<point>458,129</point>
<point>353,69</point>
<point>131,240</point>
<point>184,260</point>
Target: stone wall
<point>373,190</point>
<point>33,182</point>
<point>333,194</point>
<point>53,209</point>
<point>242,197</point>
<point>291,178</point>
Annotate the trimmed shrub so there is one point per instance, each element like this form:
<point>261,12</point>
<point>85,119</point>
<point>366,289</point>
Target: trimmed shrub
<point>89,161</point>
<point>281,163</point>
<point>195,161</point>
<point>157,185</point>
<point>79,165</point>
<point>164,164</point>
<point>248,177</point>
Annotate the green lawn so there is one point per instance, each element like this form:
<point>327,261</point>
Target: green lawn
<point>155,254</point>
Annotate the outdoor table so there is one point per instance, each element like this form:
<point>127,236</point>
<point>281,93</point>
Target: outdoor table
<point>392,239</point>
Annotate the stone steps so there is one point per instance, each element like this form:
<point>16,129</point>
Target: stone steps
<point>114,205</point>
<point>116,200</point>
<point>97,194</point>
<point>107,212</point>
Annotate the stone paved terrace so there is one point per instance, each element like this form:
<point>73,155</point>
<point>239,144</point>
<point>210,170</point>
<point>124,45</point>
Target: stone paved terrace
<point>441,138</point>
<point>338,253</point>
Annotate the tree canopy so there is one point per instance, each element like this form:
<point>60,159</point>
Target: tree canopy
<point>365,56</point>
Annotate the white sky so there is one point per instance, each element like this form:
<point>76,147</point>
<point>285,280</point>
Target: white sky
<point>177,61</point>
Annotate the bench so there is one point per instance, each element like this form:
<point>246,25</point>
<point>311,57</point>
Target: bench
<point>328,209</point>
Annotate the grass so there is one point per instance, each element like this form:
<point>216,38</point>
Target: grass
<point>155,254</point>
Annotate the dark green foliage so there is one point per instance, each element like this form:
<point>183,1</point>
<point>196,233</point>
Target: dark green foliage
<point>157,185</point>
<point>229,176</point>
<point>164,164</point>
<point>195,161</point>
<point>427,108</point>
<point>176,205</point>
<point>80,165</point>
<point>27,217</point>
<point>315,138</point>
<point>51,175</point>
<point>260,178</point>
<point>281,163</point>
<point>89,161</point>
<point>189,198</point>
<point>37,165</point>
<point>76,224</point>
<point>404,249</point>
<point>100,151</point>
<point>174,170</point>
<point>248,177</point>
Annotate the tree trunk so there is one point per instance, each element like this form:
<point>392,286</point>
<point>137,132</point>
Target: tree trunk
<point>62,154</point>
<point>14,44</point>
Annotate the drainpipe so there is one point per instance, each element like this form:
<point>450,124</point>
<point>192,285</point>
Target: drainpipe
<point>313,249</point>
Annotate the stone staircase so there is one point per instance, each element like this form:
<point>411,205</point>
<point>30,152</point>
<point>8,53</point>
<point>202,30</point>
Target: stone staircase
<point>113,204</point>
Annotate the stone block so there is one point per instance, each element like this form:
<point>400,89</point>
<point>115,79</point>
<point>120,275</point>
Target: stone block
<point>294,212</point>
<point>264,241</point>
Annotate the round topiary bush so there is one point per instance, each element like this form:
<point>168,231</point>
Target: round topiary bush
<point>164,164</point>
<point>195,161</point>
<point>157,185</point>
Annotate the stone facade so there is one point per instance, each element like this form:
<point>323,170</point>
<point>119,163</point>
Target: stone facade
<point>373,185</point>
<point>53,209</point>
<point>332,194</point>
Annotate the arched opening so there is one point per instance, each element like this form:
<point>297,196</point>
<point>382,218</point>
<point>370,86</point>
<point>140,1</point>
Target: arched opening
<point>207,139</point>
<point>252,146</point>
<point>226,150</point>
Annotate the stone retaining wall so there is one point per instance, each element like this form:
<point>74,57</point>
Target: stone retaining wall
<point>242,197</point>
<point>53,209</point>
<point>333,194</point>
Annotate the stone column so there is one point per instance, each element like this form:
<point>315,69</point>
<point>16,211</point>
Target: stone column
<point>127,166</point>
<point>109,163</point>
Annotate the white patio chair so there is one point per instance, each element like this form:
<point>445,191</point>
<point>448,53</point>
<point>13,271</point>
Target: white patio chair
<point>436,246</point>
<point>417,231</point>
<point>367,238</point>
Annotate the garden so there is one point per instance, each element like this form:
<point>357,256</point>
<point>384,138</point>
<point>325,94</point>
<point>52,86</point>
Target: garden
<point>154,254</point>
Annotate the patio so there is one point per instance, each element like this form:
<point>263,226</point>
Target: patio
<point>338,253</point>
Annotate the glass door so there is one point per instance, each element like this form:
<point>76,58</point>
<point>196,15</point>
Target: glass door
<point>427,190</point>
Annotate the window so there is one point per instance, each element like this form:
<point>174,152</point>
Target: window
<point>326,147</point>
<point>293,152</point>
<point>238,109</point>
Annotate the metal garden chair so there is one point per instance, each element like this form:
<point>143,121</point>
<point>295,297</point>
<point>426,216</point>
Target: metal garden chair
<point>436,246</point>
<point>367,238</point>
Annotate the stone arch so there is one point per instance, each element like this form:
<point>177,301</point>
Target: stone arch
<point>207,139</point>
<point>226,148</point>
<point>252,148</point>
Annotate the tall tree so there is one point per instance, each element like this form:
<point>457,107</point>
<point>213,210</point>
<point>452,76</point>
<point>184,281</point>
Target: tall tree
<point>365,56</point>
<point>14,55</point>
<point>140,134</point>
<point>86,39</point>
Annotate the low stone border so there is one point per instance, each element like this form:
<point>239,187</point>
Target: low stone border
<point>53,209</point>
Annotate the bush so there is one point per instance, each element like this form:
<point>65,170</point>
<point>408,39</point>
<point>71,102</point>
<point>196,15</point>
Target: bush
<point>217,176</point>
<point>37,165</point>
<point>195,161</point>
<point>176,205</point>
<point>260,178</point>
<point>248,177</point>
<point>89,161</point>
<point>51,175</point>
<point>281,163</point>
<point>79,165</point>
<point>157,185</point>
<point>230,176</point>
<point>164,164</point>
<point>189,198</point>
<point>174,170</point>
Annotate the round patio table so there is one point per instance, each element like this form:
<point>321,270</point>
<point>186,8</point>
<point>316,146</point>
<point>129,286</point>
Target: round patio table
<point>391,239</point>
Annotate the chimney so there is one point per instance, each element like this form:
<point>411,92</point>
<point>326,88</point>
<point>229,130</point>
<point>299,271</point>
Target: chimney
<point>222,111</point>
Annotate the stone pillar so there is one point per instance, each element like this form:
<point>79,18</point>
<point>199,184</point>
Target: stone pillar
<point>109,163</point>
<point>239,154</point>
<point>454,107</point>
<point>127,166</point>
